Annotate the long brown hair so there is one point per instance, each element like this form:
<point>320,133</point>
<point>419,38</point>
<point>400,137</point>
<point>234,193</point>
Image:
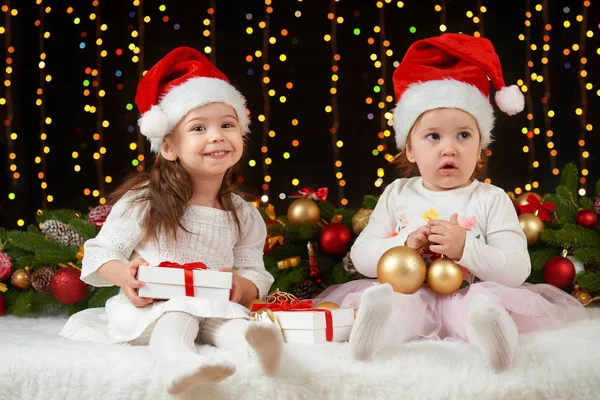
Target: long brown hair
<point>409,169</point>
<point>167,189</point>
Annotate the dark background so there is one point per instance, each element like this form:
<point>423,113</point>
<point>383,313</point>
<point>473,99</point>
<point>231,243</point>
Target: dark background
<point>308,67</point>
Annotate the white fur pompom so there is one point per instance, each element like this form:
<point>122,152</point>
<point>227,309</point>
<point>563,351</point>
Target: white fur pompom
<point>153,124</point>
<point>510,100</point>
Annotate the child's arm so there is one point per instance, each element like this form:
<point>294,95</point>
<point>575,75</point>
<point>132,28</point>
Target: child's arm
<point>248,257</point>
<point>378,235</point>
<point>504,259</point>
<point>112,247</point>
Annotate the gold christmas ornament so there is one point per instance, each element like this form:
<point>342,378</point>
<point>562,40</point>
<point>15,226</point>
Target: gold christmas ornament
<point>583,297</point>
<point>444,276</point>
<point>403,268</point>
<point>290,262</point>
<point>79,254</point>
<point>278,296</point>
<point>360,220</point>
<point>327,305</point>
<point>522,199</point>
<point>21,279</point>
<point>532,226</point>
<point>249,304</point>
<point>304,211</point>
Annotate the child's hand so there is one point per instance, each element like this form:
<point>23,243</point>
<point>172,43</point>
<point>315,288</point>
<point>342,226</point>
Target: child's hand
<point>448,237</point>
<point>419,238</point>
<point>242,290</point>
<point>130,284</point>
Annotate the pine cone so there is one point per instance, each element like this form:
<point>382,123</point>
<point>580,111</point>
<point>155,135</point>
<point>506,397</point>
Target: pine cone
<point>99,214</point>
<point>6,265</point>
<point>306,289</point>
<point>349,265</point>
<point>62,233</point>
<point>40,279</point>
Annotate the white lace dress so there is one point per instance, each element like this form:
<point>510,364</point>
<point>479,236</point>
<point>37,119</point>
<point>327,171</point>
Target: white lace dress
<point>212,238</point>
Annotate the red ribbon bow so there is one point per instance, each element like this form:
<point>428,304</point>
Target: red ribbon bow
<point>320,194</point>
<point>297,305</point>
<point>188,273</point>
<point>536,205</point>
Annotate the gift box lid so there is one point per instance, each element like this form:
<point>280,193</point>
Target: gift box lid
<point>175,276</point>
<point>314,319</point>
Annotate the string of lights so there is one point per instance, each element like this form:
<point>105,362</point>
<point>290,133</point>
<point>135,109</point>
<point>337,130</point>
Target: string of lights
<point>552,152</point>
<point>583,110</point>
<point>141,39</point>
<point>101,123</point>
<point>334,108</point>
<point>265,117</point>
<point>530,130</point>
<point>45,121</point>
<point>385,100</point>
<point>7,101</point>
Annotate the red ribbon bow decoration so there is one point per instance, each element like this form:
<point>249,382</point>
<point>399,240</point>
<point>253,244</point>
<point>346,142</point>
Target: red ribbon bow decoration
<point>536,205</point>
<point>320,194</point>
<point>297,305</point>
<point>188,273</point>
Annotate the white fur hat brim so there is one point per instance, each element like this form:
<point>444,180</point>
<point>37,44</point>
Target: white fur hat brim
<point>160,120</point>
<point>424,96</point>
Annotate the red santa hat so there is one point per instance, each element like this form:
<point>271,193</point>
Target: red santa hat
<point>183,80</point>
<point>451,71</point>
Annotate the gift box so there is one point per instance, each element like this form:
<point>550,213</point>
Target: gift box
<point>168,280</point>
<point>300,323</point>
<point>311,326</point>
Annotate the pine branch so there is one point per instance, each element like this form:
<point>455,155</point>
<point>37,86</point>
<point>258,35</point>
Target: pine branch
<point>3,234</point>
<point>569,177</point>
<point>22,258</point>
<point>27,240</point>
<point>564,207</point>
<point>62,215</point>
<point>598,188</point>
<point>589,280</point>
<point>340,275</point>
<point>327,210</point>
<point>539,256</point>
<point>45,303</point>
<point>84,228</point>
<point>75,308</point>
<point>370,202</point>
<point>56,254</point>
<point>101,295</point>
<point>33,229</point>
<point>586,203</point>
<point>587,256</point>
<point>571,237</point>
<point>20,303</point>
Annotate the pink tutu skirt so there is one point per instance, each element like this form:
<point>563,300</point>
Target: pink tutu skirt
<point>427,315</point>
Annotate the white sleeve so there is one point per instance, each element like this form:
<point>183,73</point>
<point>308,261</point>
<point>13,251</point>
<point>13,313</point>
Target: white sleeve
<point>248,251</point>
<point>378,235</point>
<point>502,257</point>
<point>120,234</point>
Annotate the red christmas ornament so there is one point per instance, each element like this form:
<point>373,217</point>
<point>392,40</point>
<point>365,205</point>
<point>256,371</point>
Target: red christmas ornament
<point>335,239</point>
<point>586,219</point>
<point>98,215</point>
<point>2,305</point>
<point>6,265</point>
<point>67,287</point>
<point>559,271</point>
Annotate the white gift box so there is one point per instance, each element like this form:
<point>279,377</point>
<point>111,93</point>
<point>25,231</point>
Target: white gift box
<point>165,283</point>
<point>310,326</point>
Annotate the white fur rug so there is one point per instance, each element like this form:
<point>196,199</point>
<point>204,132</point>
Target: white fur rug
<point>37,364</point>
